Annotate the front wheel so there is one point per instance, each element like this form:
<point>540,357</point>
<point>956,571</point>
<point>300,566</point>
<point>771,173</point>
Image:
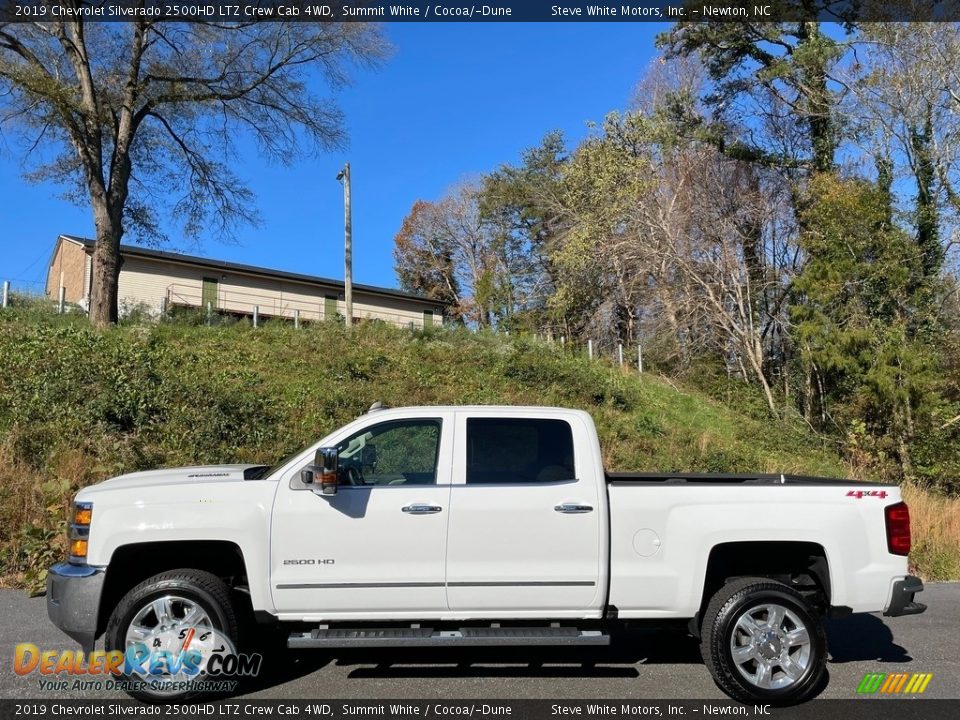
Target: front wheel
<point>168,628</point>
<point>762,642</point>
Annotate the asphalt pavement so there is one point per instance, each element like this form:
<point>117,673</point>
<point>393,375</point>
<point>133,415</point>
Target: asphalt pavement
<point>639,664</point>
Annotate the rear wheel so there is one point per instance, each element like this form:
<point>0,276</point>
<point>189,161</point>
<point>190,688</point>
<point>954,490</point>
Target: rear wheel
<point>168,627</point>
<point>762,642</point>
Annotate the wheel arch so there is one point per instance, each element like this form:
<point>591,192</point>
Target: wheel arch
<point>799,564</point>
<point>133,563</point>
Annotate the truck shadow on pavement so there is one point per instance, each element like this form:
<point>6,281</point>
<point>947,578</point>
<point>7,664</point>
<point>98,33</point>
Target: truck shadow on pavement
<point>857,638</point>
<point>863,637</point>
<point>280,665</point>
<point>283,668</point>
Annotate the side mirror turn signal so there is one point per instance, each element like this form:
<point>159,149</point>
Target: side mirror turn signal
<point>326,470</point>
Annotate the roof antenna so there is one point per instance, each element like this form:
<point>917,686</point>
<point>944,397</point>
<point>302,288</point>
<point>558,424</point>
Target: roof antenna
<point>378,405</point>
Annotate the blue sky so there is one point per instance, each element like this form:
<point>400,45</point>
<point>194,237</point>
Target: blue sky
<point>454,101</point>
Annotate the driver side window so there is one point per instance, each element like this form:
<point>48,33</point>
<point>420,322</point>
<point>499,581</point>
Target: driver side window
<point>401,452</point>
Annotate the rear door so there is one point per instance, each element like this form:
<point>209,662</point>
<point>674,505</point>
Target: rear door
<point>525,517</point>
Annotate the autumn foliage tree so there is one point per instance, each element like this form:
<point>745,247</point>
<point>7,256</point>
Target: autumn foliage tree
<point>446,252</point>
<point>425,259</point>
<point>452,250</point>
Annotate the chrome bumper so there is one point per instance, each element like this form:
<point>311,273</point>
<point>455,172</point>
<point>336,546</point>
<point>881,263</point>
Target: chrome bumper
<point>73,601</point>
<point>901,598</point>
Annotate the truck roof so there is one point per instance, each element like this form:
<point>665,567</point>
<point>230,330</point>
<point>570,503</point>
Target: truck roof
<point>476,408</point>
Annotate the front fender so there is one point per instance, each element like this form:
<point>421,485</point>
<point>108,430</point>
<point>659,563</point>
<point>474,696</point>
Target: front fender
<point>235,512</point>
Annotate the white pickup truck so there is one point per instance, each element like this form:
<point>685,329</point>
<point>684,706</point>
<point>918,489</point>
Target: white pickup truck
<point>479,526</point>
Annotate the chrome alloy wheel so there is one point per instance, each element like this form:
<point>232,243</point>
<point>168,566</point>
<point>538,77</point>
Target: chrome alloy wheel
<point>169,627</point>
<point>770,646</point>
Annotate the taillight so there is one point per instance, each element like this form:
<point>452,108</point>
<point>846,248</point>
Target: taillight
<point>898,528</point>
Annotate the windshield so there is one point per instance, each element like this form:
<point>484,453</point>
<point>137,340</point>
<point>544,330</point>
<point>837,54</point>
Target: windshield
<point>262,471</point>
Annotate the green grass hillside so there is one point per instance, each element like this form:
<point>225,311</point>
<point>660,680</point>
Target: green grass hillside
<point>78,405</point>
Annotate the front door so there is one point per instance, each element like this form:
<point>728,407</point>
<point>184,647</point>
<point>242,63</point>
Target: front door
<point>379,544</point>
<point>526,519</point>
<point>209,293</point>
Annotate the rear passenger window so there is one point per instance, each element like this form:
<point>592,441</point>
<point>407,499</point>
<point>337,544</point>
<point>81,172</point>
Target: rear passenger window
<point>514,450</point>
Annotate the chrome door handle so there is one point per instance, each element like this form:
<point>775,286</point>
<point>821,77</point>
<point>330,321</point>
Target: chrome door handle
<point>421,509</point>
<point>573,508</point>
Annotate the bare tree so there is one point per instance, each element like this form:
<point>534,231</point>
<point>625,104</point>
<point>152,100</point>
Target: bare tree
<point>715,227</point>
<point>145,115</point>
<point>905,103</point>
<point>669,232</point>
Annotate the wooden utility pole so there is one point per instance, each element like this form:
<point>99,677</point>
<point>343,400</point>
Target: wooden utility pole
<point>344,177</point>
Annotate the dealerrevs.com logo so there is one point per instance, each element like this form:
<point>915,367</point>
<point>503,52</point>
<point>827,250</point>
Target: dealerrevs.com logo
<point>894,683</point>
<point>197,659</point>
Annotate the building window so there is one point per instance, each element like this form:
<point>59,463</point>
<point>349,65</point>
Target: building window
<point>330,309</point>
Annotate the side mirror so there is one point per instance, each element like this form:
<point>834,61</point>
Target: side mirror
<point>324,471</point>
<point>327,461</point>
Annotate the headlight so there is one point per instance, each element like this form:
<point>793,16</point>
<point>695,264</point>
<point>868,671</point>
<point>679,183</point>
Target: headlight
<point>80,531</point>
<point>82,513</point>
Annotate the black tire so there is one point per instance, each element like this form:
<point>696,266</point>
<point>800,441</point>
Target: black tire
<point>727,606</point>
<point>201,587</point>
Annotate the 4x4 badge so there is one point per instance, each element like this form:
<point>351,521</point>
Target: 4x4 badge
<point>858,494</point>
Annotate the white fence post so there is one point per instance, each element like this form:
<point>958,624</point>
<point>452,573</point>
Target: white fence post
<point>590,349</point>
<point>296,319</point>
<point>6,292</point>
<point>61,300</point>
<point>620,353</point>
<point>640,358</point>
<point>256,315</point>
<point>209,311</point>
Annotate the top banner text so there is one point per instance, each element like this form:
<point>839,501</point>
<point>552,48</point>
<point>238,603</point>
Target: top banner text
<point>245,11</point>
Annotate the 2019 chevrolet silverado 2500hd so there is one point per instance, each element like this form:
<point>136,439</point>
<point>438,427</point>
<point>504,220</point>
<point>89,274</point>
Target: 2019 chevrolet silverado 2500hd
<point>480,526</point>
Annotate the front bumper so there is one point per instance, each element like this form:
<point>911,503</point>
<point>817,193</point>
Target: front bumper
<point>901,598</point>
<point>73,601</point>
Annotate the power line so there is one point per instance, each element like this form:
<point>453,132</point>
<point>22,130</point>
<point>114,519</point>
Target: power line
<point>30,267</point>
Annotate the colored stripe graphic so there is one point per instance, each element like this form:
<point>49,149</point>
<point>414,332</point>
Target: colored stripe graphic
<point>894,683</point>
<point>922,684</point>
<point>871,682</point>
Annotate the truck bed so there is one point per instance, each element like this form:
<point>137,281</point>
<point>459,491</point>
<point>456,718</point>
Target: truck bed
<point>649,478</point>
